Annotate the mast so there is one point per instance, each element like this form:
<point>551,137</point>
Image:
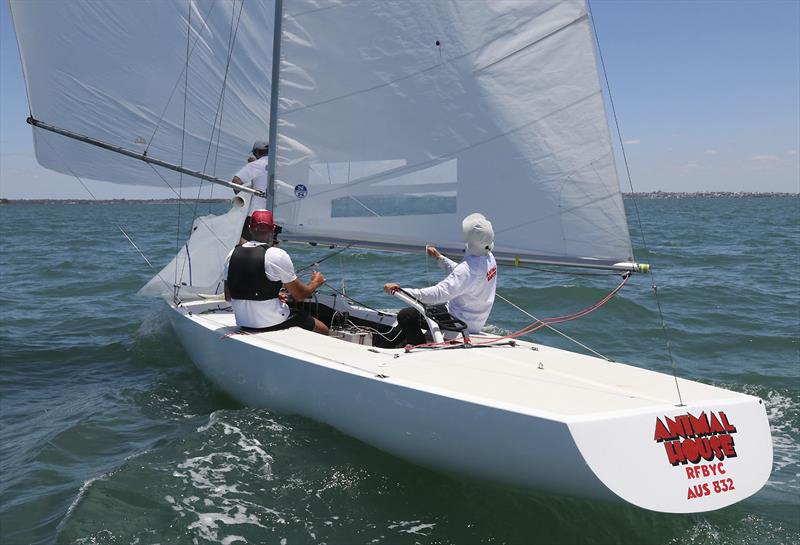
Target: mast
<point>273,104</point>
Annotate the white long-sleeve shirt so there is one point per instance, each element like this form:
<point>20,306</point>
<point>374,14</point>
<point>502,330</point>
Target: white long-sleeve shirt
<point>468,290</point>
<point>254,174</point>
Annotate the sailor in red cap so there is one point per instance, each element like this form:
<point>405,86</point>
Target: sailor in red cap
<point>254,274</point>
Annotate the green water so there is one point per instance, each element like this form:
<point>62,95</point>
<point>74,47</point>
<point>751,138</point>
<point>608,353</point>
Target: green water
<point>111,436</point>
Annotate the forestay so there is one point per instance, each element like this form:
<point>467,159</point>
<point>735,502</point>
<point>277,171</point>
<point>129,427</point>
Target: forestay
<point>396,119</point>
<point>120,77</point>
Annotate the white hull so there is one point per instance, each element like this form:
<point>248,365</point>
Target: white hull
<point>527,416</point>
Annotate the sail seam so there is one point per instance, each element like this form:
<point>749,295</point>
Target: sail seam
<point>451,154</point>
<point>412,75</point>
<point>533,43</point>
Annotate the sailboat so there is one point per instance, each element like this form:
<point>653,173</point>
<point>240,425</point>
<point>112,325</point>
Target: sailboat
<point>388,123</point>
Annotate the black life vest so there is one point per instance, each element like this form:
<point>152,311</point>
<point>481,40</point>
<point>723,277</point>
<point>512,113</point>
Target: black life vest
<point>246,277</point>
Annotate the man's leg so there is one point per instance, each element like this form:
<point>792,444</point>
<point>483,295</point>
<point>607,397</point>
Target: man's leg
<point>411,322</point>
<point>320,328</point>
<point>298,318</point>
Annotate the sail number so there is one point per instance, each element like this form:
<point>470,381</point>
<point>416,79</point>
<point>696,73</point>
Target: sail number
<point>719,486</point>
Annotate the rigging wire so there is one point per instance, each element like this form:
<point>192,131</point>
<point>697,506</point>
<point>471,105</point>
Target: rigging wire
<point>220,103</point>
<point>177,82</point>
<point>214,127</point>
<point>210,230</point>
<point>534,326</point>
<point>324,258</point>
<point>118,225</point>
<point>222,99</point>
<point>548,326</point>
<point>638,216</point>
<point>183,142</point>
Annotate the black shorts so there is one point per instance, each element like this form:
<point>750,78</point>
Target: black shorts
<point>297,318</point>
<point>246,234</point>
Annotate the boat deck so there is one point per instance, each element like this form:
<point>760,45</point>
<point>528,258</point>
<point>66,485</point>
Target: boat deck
<point>528,378</point>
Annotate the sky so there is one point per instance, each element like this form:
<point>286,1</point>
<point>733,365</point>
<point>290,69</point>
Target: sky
<point>707,95</point>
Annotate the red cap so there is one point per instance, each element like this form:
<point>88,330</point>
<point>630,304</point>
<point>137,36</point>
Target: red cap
<point>261,220</point>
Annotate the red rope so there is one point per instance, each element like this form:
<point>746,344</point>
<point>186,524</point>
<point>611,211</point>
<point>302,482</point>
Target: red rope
<point>538,324</point>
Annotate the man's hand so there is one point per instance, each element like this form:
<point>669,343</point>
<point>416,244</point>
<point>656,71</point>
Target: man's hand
<point>317,279</point>
<point>238,181</point>
<point>391,287</point>
<point>433,252</point>
<point>283,296</point>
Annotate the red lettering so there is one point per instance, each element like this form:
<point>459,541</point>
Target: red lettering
<point>706,491</point>
<point>690,473</point>
<point>686,425</point>
<point>705,470</point>
<point>728,427</point>
<point>690,450</point>
<point>720,469</point>
<point>691,494</point>
<point>705,449</point>
<point>716,427</point>
<point>726,444</point>
<point>700,424</point>
<point>675,428</point>
<point>661,432</point>
<point>716,447</point>
<point>675,453</point>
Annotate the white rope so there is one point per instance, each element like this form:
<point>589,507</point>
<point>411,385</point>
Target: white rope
<point>529,315</point>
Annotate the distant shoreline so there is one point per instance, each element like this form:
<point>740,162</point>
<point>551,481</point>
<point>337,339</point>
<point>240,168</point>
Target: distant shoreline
<point>109,201</point>
<point>638,195</point>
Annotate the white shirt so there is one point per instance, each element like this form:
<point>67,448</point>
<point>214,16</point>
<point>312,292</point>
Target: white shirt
<point>279,267</point>
<point>468,290</point>
<point>254,174</point>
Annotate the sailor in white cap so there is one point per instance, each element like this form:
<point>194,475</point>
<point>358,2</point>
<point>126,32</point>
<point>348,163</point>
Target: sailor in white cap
<point>469,288</point>
<point>254,174</point>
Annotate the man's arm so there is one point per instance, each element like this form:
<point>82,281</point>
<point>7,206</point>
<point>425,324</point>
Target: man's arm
<point>300,290</point>
<point>444,291</point>
<point>227,292</point>
<point>445,262</point>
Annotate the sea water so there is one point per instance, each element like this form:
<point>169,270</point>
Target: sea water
<point>110,435</point>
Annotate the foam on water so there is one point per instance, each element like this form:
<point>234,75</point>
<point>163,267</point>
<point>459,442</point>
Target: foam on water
<point>223,503</point>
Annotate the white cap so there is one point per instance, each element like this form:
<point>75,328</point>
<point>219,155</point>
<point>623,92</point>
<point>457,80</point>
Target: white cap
<point>478,234</point>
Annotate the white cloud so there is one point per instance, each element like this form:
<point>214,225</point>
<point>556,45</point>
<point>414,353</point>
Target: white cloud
<point>711,152</point>
<point>691,165</point>
<point>791,152</point>
<point>637,141</point>
<point>763,158</point>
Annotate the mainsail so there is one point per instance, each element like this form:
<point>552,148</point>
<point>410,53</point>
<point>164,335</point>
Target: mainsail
<point>123,73</point>
<point>394,119</point>
<point>397,119</point>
